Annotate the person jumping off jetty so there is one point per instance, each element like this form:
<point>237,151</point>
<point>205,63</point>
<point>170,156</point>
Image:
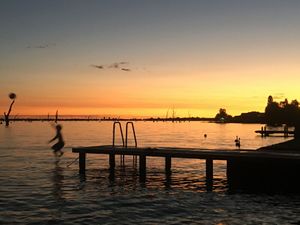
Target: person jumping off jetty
<point>57,148</point>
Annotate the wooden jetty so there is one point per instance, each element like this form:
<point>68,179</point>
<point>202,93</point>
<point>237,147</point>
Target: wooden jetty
<point>264,132</point>
<point>235,160</point>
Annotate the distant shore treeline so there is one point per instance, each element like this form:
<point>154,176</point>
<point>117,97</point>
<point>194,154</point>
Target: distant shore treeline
<point>251,117</point>
<point>283,112</point>
<point>275,114</point>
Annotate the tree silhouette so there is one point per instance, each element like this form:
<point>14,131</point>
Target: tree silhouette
<point>6,115</point>
<point>282,113</point>
<point>272,112</point>
<point>222,116</point>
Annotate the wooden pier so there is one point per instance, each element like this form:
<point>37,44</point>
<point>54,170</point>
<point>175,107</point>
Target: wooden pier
<point>265,133</point>
<point>232,157</point>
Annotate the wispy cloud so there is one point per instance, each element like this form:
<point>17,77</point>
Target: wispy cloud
<point>116,65</point>
<point>98,67</point>
<point>278,96</point>
<point>41,46</point>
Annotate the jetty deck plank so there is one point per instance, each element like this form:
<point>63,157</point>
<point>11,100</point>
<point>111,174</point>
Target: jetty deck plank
<point>195,153</point>
<point>274,132</point>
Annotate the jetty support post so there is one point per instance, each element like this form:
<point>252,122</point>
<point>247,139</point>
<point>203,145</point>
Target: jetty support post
<point>265,131</point>
<point>112,161</point>
<point>286,131</point>
<point>168,163</point>
<point>209,174</point>
<point>142,167</point>
<point>82,157</point>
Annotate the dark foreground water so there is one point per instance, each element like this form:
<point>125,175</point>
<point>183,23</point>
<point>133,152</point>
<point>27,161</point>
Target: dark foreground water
<point>36,189</point>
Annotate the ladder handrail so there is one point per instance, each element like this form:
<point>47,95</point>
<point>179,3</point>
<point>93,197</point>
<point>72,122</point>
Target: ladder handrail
<point>114,133</point>
<point>133,131</point>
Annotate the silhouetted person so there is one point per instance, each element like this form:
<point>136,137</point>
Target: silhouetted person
<point>60,144</point>
<point>205,135</point>
<point>237,142</point>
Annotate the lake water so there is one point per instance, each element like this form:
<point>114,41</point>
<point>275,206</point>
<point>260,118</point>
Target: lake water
<point>35,189</point>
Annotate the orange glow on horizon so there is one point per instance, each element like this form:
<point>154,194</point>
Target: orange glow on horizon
<point>189,95</point>
<point>197,91</point>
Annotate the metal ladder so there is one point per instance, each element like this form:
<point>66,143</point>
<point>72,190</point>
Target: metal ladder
<point>125,143</point>
<point>114,133</point>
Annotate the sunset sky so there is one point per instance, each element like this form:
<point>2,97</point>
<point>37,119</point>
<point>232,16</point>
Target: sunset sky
<point>142,58</point>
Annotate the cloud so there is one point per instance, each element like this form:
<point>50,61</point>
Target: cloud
<point>98,66</point>
<point>41,46</point>
<point>116,65</point>
<point>278,96</point>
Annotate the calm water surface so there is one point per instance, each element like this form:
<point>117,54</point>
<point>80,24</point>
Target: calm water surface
<point>35,189</point>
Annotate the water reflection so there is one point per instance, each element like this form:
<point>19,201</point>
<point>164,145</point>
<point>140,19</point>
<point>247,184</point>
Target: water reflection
<point>168,181</point>
<point>126,176</point>
<point>57,191</point>
<point>82,182</point>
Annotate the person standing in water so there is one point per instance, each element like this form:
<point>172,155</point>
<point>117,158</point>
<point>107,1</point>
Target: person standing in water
<point>237,142</point>
<point>57,148</point>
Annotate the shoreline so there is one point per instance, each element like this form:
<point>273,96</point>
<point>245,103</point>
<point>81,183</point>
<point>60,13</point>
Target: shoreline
<point>212,120</point>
